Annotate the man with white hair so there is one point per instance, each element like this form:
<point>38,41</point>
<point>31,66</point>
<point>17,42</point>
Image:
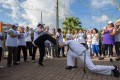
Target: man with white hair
<point>77,50</point>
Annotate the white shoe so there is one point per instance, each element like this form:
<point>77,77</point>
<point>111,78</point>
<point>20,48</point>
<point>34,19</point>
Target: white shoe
<point>51,57</point>
<point>33,61</point>
<point>46,57</point>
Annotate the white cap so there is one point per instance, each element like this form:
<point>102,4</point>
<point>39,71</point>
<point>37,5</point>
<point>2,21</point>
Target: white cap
<point>110,22</point>
<point>118,20</point>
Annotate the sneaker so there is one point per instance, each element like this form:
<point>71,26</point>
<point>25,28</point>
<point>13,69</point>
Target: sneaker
<point>75,67</point>
<point>116,73</point>
<point>107,56</point>
<point>101,58</point>
<point>40,64</point>
<point>111,60</point>
<point>63,56</point>
<point>70,67</point>
<point>33,61</point>
<point>51,57</point>
<point>117,59</point>
<point>26,61</point>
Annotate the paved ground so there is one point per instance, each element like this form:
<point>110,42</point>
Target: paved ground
<point>54,69</point>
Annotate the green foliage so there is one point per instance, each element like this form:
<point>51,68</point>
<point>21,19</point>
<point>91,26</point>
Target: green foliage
<point>71,24</point>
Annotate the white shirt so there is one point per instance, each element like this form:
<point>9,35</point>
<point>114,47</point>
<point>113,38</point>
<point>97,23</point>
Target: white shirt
<point>10,41</point>
<point>89,39</point>
<point>1,41</point>
<point>75,37</point>
<point>28,36</point>
<point>81,38</point>
<point>75,46</point>
<point>47,41</point>
<point>21,40</point>
<point>69,36</point>
<point>36,34</point>
<point>60,38</point>
<point>117,37</point>
<point>95,40</point>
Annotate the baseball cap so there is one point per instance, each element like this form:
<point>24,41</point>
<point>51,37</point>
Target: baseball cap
<point>118,20</point>
<point>110,22</point>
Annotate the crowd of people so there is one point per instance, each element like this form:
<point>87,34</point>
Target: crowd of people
<point>22,39</point>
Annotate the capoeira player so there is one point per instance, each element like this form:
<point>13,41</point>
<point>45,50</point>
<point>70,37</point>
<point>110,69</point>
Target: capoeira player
<point>77,50</point>
<point>40,43</point>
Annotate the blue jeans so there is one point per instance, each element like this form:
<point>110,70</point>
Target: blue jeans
<point>95,49</point>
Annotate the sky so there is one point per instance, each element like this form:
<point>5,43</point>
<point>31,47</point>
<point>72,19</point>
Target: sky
<point>92,13</point>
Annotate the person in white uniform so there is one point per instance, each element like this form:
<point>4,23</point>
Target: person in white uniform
<point>77,50</point>
<point>28,40</point>
<point>81,36</point>
<point>11,43</point>
<point>48,45</point>
<point>22,45</point>
<point>39,31</point>
<point>89,40</point>
<point>69,35</point>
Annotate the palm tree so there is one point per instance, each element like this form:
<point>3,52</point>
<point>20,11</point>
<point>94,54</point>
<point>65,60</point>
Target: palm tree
<point>71,24</point>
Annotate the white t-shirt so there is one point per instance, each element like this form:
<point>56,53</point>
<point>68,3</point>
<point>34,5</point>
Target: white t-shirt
<point>21,40</point>
<point>1,41</point>
<point>89,39</point>
<point>75,46</point>
<point>36,34</point>
<point>10,41</point>
<point>117,37</point>
<point>95,40</point>
<point>69,36</point>
<point>60,38</point>
<point>81,38</point>
<point>75,37</point>
<point>28,36</point>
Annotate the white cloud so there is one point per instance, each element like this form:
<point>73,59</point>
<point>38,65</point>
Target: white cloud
<point>13,5</point>
<point>103,18</point>
<point>32,11</point>
<point>101,3</point>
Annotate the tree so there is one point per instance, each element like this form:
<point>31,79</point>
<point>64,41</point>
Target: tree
<point>71,24</point>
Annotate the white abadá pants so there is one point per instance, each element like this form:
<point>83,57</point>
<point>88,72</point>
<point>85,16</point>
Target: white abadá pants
<point>106,70</point>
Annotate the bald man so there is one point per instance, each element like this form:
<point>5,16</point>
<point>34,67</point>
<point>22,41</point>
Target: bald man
<point>77,50</point>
